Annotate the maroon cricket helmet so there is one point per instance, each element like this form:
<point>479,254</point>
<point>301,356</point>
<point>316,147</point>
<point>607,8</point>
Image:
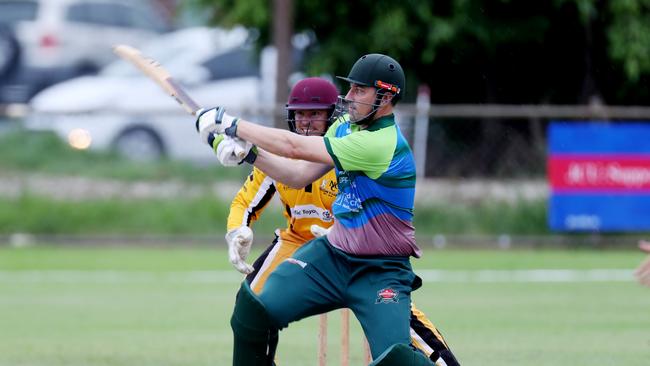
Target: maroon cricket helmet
<point>311,93</point>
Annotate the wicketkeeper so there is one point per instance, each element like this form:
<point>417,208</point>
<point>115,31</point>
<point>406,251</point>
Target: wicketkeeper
<point>363,263</point>
<point>310,112</point>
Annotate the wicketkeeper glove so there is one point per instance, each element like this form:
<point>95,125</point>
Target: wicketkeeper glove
<point>319,231</point>
<point>232,151</point>
<point>215,121</point>
<point>239,242</point>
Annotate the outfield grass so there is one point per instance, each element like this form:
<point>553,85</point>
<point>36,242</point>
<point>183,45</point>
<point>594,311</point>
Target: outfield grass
<point>134,306</point>
<point>32,152</point>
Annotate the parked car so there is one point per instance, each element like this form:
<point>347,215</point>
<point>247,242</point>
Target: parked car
<point>9,52</point>
<point>124,110</point>
<point>79,33</point>
<point>61,39</point>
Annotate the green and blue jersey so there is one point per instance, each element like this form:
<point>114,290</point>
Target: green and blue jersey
<point>376,181</point>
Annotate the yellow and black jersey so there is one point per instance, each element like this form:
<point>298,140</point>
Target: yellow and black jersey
<point>302,207</point>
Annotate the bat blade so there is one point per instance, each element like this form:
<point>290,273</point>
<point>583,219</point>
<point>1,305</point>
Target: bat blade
<point>155,71</point>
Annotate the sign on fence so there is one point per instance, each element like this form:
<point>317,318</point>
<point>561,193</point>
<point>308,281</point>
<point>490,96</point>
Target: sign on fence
<point>599,175</point>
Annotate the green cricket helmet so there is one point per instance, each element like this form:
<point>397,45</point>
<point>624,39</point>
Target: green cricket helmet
<point>379,71</point>
<point>374,70</point>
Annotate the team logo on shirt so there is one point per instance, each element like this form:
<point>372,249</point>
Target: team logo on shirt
<point>327,216</point>
<point>387,295</point>
<point>349,201</point>
<point>329,187</point>
<point>347,197</point>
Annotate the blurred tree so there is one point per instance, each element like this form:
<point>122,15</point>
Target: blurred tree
<point>484,51</point>
<point>480,51</point>
<point>629,36</point>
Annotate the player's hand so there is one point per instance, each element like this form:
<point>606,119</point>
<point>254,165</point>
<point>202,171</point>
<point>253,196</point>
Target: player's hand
<point>239,242</point>
<point>319,231</point>
<point>642,273</point>
<point>215,121</point>
<point>232,151</point>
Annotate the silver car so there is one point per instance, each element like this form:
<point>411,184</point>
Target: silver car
<point>126,111</point>
<point>79,33</point>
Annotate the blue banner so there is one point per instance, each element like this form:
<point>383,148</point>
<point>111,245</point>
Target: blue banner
<point>599,175</point>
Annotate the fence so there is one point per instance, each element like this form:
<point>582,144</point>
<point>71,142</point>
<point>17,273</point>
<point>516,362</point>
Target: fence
<point>492,141</point>
<point>460,141</point>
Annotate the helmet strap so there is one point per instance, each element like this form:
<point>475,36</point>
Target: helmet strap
<point>369,118</point>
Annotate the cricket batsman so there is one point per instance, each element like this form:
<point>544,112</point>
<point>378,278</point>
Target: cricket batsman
<point>310,112</point>
<point>363,263</point>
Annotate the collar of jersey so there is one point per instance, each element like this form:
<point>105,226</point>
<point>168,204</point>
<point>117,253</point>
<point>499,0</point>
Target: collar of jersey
<point>382,122</point>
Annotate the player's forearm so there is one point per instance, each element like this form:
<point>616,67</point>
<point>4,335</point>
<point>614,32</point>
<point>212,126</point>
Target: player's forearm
<point>293,173</point>
<point>284,143</point>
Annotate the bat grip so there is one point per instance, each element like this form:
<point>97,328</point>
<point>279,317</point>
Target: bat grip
<point>239,152</point>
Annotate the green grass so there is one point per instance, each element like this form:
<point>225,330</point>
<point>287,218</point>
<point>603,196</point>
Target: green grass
<point>484,217</point>
<point>182,216</point>
<point>197,216</point>
<point>141,306</point>
<point>44,152</point>
<point>24,152</point>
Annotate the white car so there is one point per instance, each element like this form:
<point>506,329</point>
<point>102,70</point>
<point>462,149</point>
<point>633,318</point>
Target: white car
<point>126,111</point>
<point>78,33</point>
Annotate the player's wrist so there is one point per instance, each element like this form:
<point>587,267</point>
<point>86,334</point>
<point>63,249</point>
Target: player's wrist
<point>232,123</point>
<point>251,156</point>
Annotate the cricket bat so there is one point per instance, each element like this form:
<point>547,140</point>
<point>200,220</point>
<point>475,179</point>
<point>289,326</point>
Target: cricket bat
<point>156,72</point>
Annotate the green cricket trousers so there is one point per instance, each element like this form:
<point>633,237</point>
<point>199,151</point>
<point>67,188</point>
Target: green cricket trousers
<point>319,278</point>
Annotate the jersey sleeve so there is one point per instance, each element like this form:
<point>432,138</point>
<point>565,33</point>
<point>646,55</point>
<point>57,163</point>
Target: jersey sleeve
<point>331,131</point>
<point>250,201</point>
<point>369,152</point>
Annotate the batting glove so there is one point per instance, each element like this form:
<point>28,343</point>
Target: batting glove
<point>239,242</point>
<point>215,121</point>
<point>233,151</point>
<point>319,231</point>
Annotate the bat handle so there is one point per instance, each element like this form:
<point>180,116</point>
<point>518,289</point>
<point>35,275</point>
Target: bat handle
<point>239,152</point>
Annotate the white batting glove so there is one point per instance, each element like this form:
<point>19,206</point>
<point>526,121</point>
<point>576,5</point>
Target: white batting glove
<point>319,231</point>
<point>215,121</point>
<point>232,151</point>
<point>239,242</point>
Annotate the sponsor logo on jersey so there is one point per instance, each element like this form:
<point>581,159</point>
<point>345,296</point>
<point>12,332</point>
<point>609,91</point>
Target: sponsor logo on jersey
<point>312,212</point>
<point>349,201</point>
<point>327,216</point>
<point>387,295</point>
<point>347,197</point>
<point>329,187</point>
